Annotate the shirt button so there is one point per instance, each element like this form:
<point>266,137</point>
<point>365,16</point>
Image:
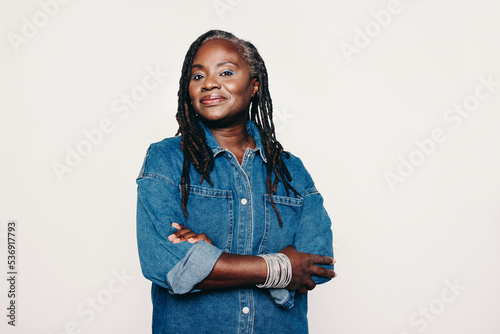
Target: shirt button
<point>245,310</point>
<point>243,201</point>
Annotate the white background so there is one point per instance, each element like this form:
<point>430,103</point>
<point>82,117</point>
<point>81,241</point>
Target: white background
<point>351,118</point>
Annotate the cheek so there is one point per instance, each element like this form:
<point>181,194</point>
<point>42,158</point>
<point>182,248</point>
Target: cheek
<point>191,91</point>
<point>239,89</point>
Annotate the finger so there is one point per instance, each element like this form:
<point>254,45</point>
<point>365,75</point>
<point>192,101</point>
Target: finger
<point>184,232</point>
<point>322,272</point>
<point>195,238</point>
<point>177,226</point>
<point>184,237</point>
<point>181,230</point>
<point>173,236</point>
<point>325,260</point>
<point>310,285</point>
<point>199,237</point>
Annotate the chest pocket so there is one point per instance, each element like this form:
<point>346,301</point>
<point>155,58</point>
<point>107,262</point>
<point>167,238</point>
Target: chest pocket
<point>276,237</point>
<point>210,211</point>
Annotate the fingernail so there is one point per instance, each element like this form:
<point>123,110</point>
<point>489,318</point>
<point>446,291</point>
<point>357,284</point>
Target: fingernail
<point>171,237</point>
<point>175,225</point>
<point>176,241</point>
<point>190,240</point>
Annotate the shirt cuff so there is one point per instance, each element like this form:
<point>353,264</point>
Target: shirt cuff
<point>282,297</point>
<point>193,268</point>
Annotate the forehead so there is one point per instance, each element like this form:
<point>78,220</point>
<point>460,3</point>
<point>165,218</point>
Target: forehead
<point>217,50</point>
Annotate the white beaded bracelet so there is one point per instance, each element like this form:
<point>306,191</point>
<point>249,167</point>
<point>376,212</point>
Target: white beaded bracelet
<point>279,271</point>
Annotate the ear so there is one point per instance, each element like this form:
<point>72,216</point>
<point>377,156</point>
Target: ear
<point>255,86</point>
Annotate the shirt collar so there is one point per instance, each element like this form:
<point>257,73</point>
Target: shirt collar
<point>252,130</point>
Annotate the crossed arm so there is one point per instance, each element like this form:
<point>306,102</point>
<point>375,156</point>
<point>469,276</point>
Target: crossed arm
<point>236,270</point>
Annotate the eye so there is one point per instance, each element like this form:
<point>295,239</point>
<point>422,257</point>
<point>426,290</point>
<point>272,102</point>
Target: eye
<point>197,77</point>
<point>227,73</point>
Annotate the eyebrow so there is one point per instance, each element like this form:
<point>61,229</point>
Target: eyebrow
<point>218,64</point>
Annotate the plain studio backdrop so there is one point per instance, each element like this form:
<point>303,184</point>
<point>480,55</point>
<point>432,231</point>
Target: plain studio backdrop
<point>392,105</point>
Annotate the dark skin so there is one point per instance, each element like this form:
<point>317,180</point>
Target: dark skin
<point>221,90</point>
<point>232,270</point>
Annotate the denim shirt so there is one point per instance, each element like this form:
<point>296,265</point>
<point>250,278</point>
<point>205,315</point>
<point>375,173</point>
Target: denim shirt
<point>237,215</point>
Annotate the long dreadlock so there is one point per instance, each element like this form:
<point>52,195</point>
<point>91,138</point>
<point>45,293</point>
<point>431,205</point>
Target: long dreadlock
<point>193,141</point>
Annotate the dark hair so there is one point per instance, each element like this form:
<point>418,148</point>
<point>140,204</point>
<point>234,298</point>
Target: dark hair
<point>193,142</point>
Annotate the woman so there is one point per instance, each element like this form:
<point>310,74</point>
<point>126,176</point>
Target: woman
<point>229,225</point>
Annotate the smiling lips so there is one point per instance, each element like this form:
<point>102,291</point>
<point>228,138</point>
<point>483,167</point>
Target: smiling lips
<point>212,99</point>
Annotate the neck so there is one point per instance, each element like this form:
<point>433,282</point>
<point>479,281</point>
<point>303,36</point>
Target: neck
<point>234,138</point>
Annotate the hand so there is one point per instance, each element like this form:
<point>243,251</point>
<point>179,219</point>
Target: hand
<point>185,234</point>
<point>303,267</point>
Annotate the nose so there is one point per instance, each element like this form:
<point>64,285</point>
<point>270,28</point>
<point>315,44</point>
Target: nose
<point>210,83</point>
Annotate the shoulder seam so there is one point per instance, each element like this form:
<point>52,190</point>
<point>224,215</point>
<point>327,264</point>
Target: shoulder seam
<point>155,176</point>
<point>311,191</point>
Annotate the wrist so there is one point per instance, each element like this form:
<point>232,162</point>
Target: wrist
<point>278,271</point>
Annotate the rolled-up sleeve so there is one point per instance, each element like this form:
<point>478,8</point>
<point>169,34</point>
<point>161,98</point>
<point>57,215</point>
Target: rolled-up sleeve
<point>176,267</point>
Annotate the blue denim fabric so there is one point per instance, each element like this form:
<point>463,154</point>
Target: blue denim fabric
<point>234,225</point>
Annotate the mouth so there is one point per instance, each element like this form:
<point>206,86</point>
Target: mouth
<point>212,99</point>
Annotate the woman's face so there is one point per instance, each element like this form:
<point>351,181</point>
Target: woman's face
<point>220,86</point>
